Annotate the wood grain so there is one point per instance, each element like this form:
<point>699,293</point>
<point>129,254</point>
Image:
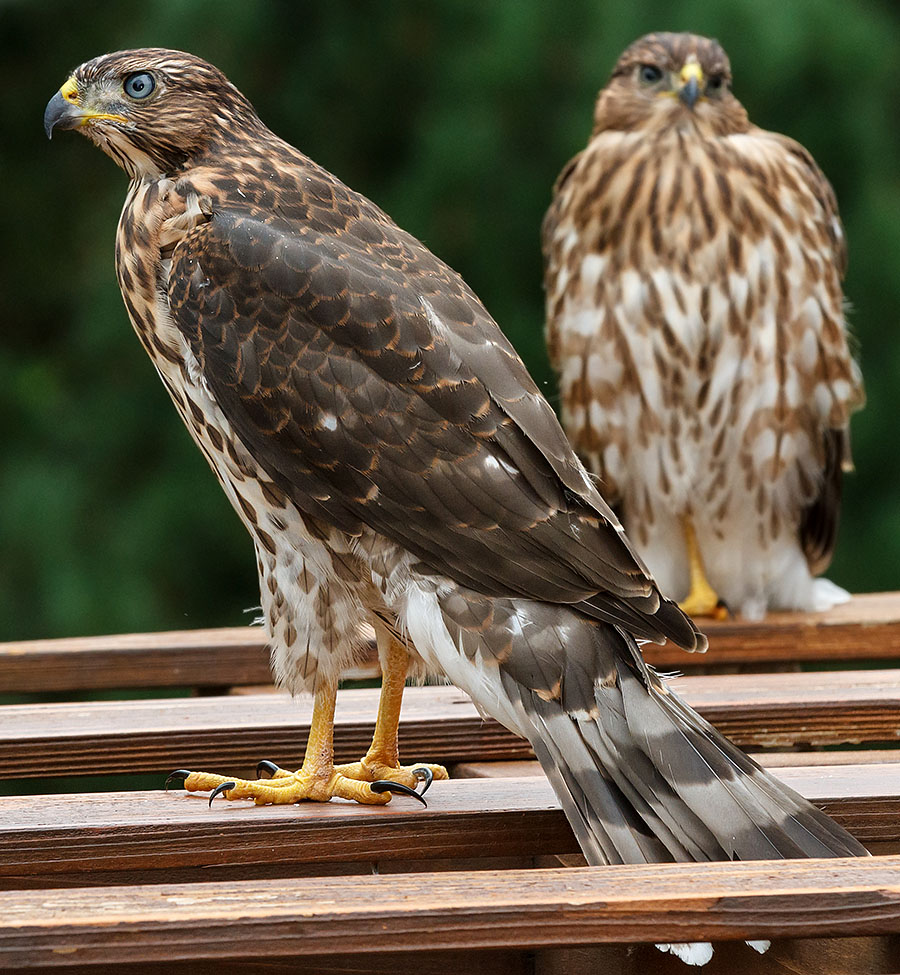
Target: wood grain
<point>438,724</point>
<point>88,839</point>
<point>471,910</point>
<point>866,628</point>
<point>222,657</point>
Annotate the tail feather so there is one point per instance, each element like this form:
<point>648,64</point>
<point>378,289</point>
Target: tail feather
<point>608,829</point>
<point>815,833</point>
<point>701,774</point>
<point>642,777</point>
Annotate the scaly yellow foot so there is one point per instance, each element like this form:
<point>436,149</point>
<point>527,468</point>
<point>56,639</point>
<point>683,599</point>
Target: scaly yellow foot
<point>370,780</point>
<point>372,770</point>
<point>317,780</point>
<point>702,600</point>
<point>409,775</point>
<point>287,788</point>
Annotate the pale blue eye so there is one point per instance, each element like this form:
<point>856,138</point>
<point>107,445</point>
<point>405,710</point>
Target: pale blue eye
<point>139,84</point>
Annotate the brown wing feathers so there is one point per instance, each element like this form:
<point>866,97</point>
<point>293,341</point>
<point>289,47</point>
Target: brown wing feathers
<point>366,404</point>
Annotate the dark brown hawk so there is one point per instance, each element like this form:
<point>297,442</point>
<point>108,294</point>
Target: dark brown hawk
<point>696,319</point>
<point>395,464</point>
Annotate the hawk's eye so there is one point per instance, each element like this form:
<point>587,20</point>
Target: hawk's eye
<point>650,74</point>
<point>716,83</point>
<point>139,84</point>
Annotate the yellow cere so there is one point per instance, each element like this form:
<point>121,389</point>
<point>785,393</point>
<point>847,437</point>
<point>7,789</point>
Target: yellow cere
<point>692,70</point>
<point>69,91</point>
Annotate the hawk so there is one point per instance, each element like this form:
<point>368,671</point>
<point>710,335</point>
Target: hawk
<point>394,463</point>
<point>695,318</point>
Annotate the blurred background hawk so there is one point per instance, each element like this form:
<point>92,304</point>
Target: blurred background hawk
<point>395,464</point>
<point>695,317</point>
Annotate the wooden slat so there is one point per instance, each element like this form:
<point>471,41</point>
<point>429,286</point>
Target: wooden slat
<point>439,724</point>
<point>866,628</point>
<point>201,658</point>
<point>466,910</point>
<point>78,840</point>
<point>222,657</point>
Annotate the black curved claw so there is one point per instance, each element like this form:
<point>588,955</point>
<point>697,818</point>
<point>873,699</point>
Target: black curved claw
<point>179,773</point>
<point>424,775</point>
<point>385,785</point>
<point>219,789</point>
<point>266,766</point>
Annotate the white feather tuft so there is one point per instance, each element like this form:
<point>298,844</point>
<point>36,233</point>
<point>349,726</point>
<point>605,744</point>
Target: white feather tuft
<point>690,952</point>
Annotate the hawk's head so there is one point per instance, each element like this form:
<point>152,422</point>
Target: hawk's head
<point>671,80</point>
<point>150,110</point>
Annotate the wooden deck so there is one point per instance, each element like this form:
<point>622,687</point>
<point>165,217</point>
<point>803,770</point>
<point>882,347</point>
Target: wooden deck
<point>485,880</point>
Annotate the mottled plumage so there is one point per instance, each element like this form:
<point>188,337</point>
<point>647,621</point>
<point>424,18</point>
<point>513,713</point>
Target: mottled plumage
<point>695,317</point>
<point>394,463</point>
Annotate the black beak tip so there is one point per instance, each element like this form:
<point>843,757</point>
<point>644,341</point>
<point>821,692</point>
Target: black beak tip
<point>56,110</point>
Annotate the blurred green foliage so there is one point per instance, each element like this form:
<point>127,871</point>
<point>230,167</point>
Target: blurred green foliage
<point>453,115</point>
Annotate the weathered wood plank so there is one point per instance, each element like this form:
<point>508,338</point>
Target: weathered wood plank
<point>447,911</point>
<point>438,724</point>
<point>86,839</point>
<point>221,657</point>
<point>866,628</point>
<point>214,657</point>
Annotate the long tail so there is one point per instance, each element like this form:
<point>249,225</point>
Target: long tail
<point>642,777</point>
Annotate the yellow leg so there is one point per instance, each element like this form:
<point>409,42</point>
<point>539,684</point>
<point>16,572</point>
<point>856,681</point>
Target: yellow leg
<point>319,779</point>
<point>382,761</point>
<point>702,600</point>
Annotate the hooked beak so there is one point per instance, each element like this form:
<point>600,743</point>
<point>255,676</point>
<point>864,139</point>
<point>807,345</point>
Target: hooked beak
<point>62,110</point>
<point>692,81</point>
<point>65,111</point>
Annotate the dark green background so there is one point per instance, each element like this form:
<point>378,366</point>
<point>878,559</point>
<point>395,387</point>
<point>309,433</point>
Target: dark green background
<point>453,116</point>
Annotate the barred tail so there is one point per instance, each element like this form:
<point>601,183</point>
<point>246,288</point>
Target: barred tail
<point>642,777</point>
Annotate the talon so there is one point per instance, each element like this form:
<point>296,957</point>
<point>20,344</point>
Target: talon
<point>219,789</point>
<point>179,773</point>
<point>385,785</point>
<point>424,775</point>
<point>266,766</point>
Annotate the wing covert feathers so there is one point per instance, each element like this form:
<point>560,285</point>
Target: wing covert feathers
<point>380,396</point>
